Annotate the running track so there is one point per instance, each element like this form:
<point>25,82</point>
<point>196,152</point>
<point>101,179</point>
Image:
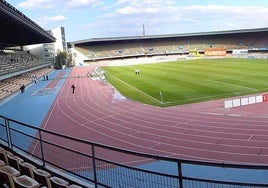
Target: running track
<point>203,131</point>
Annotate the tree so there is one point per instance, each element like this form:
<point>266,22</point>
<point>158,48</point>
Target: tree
<point>63,58</point>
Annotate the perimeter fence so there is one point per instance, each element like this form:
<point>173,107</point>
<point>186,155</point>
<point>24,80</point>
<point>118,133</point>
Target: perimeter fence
<point>102,166</point>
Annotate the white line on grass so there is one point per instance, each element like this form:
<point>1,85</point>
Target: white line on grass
<point>239,76</point>
<point>137,89</point>
<point>198,98</point>
<point>233,85</point>
<point>208,97</point>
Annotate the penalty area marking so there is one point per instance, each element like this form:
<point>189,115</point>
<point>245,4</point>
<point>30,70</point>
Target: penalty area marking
<point>233,85</point>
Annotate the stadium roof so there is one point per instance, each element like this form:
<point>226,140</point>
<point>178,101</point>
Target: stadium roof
<point>198,34</point>
<point>18,30</point>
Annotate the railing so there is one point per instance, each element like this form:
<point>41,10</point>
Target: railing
<point>104,166</point>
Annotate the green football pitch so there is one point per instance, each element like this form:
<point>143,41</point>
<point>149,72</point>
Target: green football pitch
<point>189,81</point>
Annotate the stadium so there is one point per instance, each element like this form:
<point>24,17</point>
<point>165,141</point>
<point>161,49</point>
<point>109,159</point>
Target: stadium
<point>210,43</point>
<point>95,135</point>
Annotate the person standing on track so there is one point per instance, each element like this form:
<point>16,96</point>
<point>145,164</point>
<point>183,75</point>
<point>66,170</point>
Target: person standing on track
<point>22,88</point>
<point>73,87</point>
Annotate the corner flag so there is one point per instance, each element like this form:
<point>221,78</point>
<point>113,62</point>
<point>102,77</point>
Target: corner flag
<point>161,97</point>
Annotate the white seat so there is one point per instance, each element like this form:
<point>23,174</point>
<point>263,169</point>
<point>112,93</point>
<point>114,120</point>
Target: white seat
<point>6,175</point>
<point>2,163</point>
<point>25,182</point>
<point>58,182</point>
<point>42,177</point>
<point>14,161</point>
<point>27,169</point>
<point>4,154</point>
<point>74,186</point>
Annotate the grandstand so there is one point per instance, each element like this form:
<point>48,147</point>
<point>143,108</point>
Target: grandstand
<point>17,66</point>
<point>254,40</point>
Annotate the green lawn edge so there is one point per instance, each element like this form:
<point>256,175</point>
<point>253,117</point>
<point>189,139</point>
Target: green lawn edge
<point>175,83</point>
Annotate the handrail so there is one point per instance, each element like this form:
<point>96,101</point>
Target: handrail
<point>95,164</point>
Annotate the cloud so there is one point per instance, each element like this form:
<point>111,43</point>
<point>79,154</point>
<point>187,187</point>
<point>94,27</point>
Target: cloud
<point>42,4</point>
<point>82,3</point>
<point>126,17</point>
<point>226,17</point>
<point>127,10</point>
<point>58,4</point>
<point>47,21</point>
<point>146,3</point>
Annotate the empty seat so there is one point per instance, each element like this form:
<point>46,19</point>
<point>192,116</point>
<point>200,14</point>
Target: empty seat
<point>14,161</point>
<point>2,163</point>
<point>25,182</point>
<point>27,169</point>
<point>4,154</point>
<point>74,186</point>
<point>6,175</point>
<point>42,177</point>
<point>58,182</point>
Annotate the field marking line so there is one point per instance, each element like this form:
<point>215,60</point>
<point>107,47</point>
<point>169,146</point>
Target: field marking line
<point>137,89</point>
<point>232,84</point>
<point>239,76</point>
<point>196,98</point>
<point>207,97</point>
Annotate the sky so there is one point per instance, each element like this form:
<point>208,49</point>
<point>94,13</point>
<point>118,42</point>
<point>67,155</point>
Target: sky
<point>86,19</point>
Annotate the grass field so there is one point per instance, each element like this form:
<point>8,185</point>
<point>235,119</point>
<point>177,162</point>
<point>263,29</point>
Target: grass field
<point>189,81</point>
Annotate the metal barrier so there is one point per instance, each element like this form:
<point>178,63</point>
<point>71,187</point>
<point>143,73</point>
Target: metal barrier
<point>105,166</point>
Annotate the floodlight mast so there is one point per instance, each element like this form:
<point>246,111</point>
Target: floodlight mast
<point>143,30</point>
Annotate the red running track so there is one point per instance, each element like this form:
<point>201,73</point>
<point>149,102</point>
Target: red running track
<point>203,131</point>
